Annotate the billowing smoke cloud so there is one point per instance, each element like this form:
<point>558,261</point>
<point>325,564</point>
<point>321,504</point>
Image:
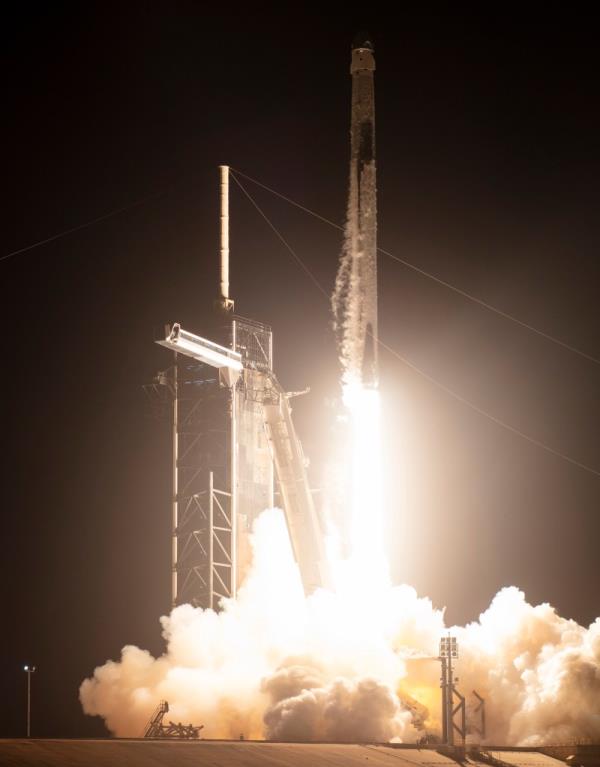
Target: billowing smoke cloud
<point>305,708</point>
<point>354,665</point>
<point>541,672</point>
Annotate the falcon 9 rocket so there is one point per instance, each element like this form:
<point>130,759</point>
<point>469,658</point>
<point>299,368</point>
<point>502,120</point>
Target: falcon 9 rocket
<point>355,297</point>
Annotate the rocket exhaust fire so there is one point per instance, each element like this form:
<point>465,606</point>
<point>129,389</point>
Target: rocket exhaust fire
<point>358,663</point>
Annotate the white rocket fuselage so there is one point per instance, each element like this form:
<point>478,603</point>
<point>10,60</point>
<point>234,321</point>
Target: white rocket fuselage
<point>362,219</point>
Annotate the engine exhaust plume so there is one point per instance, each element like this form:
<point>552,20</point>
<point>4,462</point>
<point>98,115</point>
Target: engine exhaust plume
<point>274,664</point>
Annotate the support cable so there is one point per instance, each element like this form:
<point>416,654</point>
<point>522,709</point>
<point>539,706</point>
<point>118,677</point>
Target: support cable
<point>318,285</point>
<point>480,411</point>
<point>439,280</point>
<point>299,261</point>
<point>93,221</point>
<point>485,413</point>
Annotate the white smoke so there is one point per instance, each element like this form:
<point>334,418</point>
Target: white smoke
<point>342,711</point>
<point>354,299</point>
<point>351,665</point>
<point>346,306</point>
<point>541,672</point>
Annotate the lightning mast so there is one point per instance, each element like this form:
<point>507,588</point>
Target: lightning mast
<point>224,302</point>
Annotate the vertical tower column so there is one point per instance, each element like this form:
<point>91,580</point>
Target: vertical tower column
<point>224,302</point>
<point>175,503</point>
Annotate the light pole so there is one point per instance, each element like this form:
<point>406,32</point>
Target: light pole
<point>29,671</point>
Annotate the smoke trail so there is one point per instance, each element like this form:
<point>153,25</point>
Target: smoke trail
<point>274,664</point>
<point>346,307</point>
<point>354,300</point>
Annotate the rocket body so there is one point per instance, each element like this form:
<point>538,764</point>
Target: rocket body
<point>355,299</point>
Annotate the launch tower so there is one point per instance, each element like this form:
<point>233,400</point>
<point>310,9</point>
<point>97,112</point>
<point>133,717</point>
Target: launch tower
<point>232,431</point>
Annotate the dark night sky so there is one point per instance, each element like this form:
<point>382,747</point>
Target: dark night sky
<point>489,161</point>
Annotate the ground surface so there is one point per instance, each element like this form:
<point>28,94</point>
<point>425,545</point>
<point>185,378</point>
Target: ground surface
<point>155,753</point>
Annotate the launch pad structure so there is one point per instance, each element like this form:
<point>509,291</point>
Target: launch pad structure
<point>232,426</point>
<point>232,433</point>
<point>232,430</point>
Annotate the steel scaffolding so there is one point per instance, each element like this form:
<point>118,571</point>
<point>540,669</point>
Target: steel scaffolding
<point>221,464</point>
<point>203,516</point>
<point>453,703</point>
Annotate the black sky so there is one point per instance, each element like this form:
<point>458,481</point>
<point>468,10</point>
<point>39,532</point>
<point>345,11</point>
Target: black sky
<point>489,159</point>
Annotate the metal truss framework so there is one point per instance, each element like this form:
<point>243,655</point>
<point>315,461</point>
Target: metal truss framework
<point>480,728</point>
<point>157,729</point>
<point>203,548</point>
<point>230,432</point>
<point>216,430</point>
<point>206,527</point>
<point>453,703</point>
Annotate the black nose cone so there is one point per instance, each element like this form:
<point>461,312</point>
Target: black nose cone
<point>363,40</point>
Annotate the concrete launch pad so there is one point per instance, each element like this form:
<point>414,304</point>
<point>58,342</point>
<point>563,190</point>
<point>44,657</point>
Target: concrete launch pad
<point>156,753</point>
<point>521,758</point>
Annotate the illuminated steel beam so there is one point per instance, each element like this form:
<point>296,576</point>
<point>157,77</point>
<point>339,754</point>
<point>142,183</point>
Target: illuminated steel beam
<point>228,362</point>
